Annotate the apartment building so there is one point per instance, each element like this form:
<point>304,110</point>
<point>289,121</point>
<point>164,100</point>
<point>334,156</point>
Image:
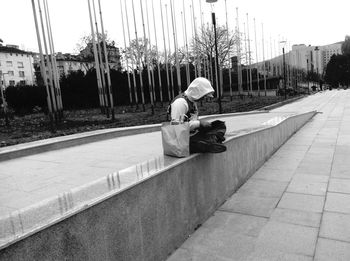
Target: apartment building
<point>16,66</point>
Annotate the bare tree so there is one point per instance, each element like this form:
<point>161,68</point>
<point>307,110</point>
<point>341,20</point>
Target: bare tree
<point>138,52</point>
<point>203,46</point>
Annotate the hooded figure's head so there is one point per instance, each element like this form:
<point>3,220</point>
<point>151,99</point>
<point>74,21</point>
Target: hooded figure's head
<point>199,88</point>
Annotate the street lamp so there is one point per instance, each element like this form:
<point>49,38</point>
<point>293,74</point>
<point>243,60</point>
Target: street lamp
<point>4,103</point>
<point>216,56</point>
<point>284,72</point>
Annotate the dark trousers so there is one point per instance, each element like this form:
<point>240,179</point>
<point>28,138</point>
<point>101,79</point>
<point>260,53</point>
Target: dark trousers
<point>213,134</point>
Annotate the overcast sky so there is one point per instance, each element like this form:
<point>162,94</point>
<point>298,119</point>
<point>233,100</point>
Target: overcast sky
<point>315,22</point>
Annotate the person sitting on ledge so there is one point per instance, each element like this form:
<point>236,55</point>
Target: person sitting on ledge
<point>205,136</point>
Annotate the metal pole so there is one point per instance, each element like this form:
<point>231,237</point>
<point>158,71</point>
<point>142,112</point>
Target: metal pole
<point>109,83</point>
<point>186,44</point>
<point>228,52</point>
<point>52,48</point>
<point>256,55</point>
<point>158,67</point>
<point>97,68</point>
<point>176,47</point>
<point>284,75</point>
<point>138,58</point>
<point>126,59</point>
<point>42,65</point>
<point>4,103</point>
<point>217,62</point>
<point>263,50</point>
<point>147,59</point>
<point>104,94</point>
<point>132,61</point>
<point>165,53</point>
<point>48,62</point>
<point>171,67</point>
<point>250,59</point>
<point>239,61</point>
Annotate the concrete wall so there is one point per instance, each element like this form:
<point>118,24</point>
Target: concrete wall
<point>150,219</point>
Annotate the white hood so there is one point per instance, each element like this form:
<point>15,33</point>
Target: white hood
<point>198,88</point>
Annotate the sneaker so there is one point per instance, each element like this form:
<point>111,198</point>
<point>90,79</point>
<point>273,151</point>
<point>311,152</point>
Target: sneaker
<point>203,146</point>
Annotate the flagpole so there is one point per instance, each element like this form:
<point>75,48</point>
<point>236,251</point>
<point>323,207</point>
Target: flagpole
<point>246,58</point>
<point>138,58</point>
<point>239,62</point>
<point>149,56</point>
<point>165,52</point>
<point>158,67</point>
<point>48,62</point>
<point>176,48</point>
<point>42,65</point>
<point>109,83</point>
<point>147,59</point>
<point>229,58</point>
<point>263,51</point>
<point>126,59</point>
<point>52,64</point>
<point>97,67</point>
<point>256,55</point>
<point>104,93</point>
<point>132,61</point>
<point>55,70</point>
<point>171,67</point>
<point>250,60</point>
<point>186,45</point>
<point>197,71</point>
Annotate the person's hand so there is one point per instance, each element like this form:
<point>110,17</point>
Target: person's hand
<point>205,124</point>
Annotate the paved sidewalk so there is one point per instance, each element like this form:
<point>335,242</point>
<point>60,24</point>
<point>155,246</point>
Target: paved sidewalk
<point>297,205</point>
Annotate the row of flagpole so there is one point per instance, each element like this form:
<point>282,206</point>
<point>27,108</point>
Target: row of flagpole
<point>102,70</point>
<point>48,63</point>
<point>202,65</point>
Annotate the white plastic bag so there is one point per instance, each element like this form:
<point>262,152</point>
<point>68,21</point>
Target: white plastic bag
<point>176,139</point>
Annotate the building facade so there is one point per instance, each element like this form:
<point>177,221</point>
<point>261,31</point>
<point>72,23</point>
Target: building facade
<point>16,66</point>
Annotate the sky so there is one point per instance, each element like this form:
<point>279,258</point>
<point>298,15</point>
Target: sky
<point>310,22</point>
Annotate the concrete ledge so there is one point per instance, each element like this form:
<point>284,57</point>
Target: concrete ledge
<point>146,211</point>
<point>56,143</point>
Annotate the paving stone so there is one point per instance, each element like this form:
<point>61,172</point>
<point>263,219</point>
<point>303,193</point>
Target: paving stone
<point>263,188</point>
<point>287,238</point>
<point>228,236</point>
<point>312,168</point>
<point>250,205</point>
<point>297,217</point>
<point>339,185</point>
<point>308,184</point>
<point>335,226</point>
<point>338,202</point>
<point>183,254</point>
<point>273,174</point>
<point>275,255</point>
<point>334,250</point>
<point>302,202</point>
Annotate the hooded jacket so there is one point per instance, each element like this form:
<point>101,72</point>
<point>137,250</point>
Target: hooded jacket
<point>198,88</point>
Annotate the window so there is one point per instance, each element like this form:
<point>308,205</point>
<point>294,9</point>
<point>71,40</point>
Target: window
<point>9,63</point>
<point>10,73</point>
<point>22,83</point>
<point>20,64</point>
<point>21,73</point>
<point>12,83</point>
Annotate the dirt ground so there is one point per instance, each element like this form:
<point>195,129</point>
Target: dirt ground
<point>36,126</point>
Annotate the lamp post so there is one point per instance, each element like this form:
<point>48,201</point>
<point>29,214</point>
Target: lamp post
<point>4,103</point>
<point>216,56</point>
